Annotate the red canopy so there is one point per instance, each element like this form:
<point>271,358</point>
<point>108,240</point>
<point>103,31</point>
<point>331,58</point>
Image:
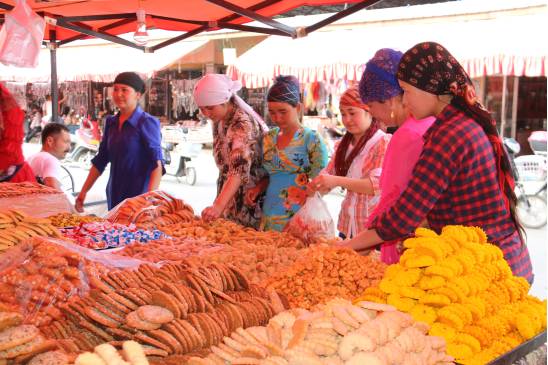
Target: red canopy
<point>113,17</point>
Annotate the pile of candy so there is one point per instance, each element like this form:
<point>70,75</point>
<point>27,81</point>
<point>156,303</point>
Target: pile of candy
<point>101,235</point>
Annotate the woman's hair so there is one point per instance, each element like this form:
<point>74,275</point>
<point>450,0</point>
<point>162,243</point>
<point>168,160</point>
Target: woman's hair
<point>285,89</point>
<point>430,67</point>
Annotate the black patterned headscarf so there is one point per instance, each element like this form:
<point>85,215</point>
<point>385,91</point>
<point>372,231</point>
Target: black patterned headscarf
<point>285,90</point>
<point>428,66</point>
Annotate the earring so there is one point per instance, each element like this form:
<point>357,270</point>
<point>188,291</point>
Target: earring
<point>391,114</point>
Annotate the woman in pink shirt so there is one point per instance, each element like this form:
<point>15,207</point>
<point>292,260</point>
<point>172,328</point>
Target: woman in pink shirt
<point>380,90</point>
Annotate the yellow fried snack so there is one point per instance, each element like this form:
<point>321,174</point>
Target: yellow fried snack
<point>431,282</point>
<point>423,313</point>
<point>435,300</point>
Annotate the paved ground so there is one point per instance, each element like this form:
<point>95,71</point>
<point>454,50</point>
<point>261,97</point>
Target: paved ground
<point>203,193</point>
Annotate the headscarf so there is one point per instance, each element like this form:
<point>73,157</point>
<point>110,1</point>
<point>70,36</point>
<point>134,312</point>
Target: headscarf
<point>132,80</point>
<point>11,130</point>
<point>430,67</point>
<point>379,82</point>
<point>351,97</point>
<point>285,90</point>
<point>216,89</point>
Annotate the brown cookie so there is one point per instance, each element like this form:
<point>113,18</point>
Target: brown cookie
<point>183,305</point>
<point>22,348</point>
<point>199,327</point>
<point>240,277</point>
<point>130,295</point>
<point>110,282</point>
<point>109,312</point>
<point>196,337</point>
<point>61,329</point>
<point>15,336</point>
<point>133,320</point>
<point>192,283</point>
<point>167,301</point>
<point>121,333</point>
<point>115,276</point>
<point>175,332</point>
<point>114,304</point>
<point>10,319</point>
<point>189,298</point>
<point>68,345</point>
<point>36,351</point>
<point>101,318</point>
<point>154,351</point>
<point>124,301</point>
<point>155,314</point>
<point>168,339</point>
<point>145,339</point>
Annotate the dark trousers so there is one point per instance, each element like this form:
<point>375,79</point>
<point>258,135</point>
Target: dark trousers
<point>34,131</point>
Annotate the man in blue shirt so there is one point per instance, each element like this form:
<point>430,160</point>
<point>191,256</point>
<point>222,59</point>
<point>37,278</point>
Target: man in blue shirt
<point>131,144</point>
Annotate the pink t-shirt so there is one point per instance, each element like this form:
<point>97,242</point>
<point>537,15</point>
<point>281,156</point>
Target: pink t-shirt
<point>402,154</point>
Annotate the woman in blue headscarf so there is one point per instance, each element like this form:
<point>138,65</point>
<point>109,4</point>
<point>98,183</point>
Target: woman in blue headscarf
<point>293,155</point>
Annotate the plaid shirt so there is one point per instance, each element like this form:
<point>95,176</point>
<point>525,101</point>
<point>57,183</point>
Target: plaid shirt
<point>455,182</point>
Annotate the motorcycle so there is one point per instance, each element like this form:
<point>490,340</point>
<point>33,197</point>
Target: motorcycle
<point>531,207</point>
<point>178,152</point>
<point>86,142</point>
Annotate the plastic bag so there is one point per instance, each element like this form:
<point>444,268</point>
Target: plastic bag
<point>40,273</point>
<point>312,222</point>
<point>149,210</point>
<point>21,36</point>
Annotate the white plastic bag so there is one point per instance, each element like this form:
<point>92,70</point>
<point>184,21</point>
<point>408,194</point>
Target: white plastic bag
<point>21,36</point>
<point>312,222</point>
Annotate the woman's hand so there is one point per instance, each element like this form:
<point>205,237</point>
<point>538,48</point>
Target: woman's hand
<point>211,213</point>
<point>79,203</point>
<point>322,183</point>
<point>251,196</point>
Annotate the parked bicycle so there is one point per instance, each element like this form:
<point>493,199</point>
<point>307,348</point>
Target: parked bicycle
<point>530,169</point>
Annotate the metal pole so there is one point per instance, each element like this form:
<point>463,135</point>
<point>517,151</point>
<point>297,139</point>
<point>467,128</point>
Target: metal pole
<point>515,98</point>
<point>503,106</point>
<point>54,87</point>
<point>169,98</point>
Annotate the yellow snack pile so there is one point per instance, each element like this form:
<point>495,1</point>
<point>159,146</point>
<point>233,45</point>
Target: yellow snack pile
<point>461,285</point>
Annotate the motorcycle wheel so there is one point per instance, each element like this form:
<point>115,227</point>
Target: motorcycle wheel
<point>190,174</point>
<point>532,215</point>
<point>84,159</point>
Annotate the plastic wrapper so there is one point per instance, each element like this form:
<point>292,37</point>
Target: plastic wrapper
<point>102,235</point>
<point>43,272</point>
<point>21,36</point>
<point>150,209</point>
<point>312,222</point>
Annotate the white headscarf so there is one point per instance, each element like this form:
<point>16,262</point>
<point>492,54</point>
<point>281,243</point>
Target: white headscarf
<point>216,89</point>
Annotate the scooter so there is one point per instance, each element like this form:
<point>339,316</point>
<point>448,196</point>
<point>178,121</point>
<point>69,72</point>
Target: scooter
<point>178,153</point>
<point>86,143</point>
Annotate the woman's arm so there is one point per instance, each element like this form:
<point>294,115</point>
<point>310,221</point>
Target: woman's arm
<point>229,189</point>
<point>155,177</point>
<point>328,182</point>
<point>364,240</point>
<point>88,184</point>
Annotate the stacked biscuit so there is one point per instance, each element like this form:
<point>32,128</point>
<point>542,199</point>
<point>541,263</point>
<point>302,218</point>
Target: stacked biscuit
<point>174,310</point>
<point>229,233</point>
<point>172,250</point>
<point>12,190</point>
<point>323,273</point>
<point>152,209</point>
<point>24,344</point>
<point>48,275</point>
<point>61,220</point>
<point>16,227</point>
<point>336,333</point>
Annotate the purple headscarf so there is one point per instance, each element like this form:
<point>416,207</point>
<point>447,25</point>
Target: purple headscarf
<point>379,82</point>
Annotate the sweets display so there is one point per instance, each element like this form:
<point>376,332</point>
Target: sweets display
<point>323,273</point>
<point>229,233</point>
<point>152,209</point>
<point>11,190</point>
<point>105,354</point>
<point>335,333</point>
<point>101,235</point>
<point>62,220</point>
<point>16,226</point>
<point>463,287</point>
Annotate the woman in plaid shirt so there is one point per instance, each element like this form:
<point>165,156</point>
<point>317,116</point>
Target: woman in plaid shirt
<point>463,175</point>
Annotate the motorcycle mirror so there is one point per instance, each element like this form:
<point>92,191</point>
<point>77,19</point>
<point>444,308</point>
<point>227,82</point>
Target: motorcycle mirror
<point>512,145</point>
<point>185,130</point>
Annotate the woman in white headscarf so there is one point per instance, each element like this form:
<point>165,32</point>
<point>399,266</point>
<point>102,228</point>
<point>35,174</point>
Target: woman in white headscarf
<point>237,148</point>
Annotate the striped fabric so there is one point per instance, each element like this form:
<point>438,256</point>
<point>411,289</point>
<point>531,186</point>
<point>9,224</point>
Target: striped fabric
<point>455,182</point>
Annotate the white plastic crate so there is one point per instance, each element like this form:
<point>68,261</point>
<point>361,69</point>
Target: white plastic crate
<point>531,167</point>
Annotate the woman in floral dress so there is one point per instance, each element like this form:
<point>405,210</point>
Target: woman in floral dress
<point>237,135</point>
<point>293,155</point>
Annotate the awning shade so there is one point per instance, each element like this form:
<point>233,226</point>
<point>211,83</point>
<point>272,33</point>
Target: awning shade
<point>98,62</point>
<point>499,45</point>
<point>187,15</point>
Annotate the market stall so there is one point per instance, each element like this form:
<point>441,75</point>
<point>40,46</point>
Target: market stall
<point>173,289</point>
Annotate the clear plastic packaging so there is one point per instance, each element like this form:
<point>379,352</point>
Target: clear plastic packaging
<point>312,222</point>
<point>43,272</point>
<point>147,208</point>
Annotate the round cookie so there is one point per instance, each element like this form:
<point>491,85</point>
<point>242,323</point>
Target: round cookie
<point>155,314</point>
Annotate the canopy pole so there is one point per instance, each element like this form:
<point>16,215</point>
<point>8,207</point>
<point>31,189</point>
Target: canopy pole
<point>515,99</point>
<point>503,105</point>
<point>53,62</point>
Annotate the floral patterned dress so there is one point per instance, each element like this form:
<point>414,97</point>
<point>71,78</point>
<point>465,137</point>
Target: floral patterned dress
<point>237,150</point>
<point>290,171</point>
